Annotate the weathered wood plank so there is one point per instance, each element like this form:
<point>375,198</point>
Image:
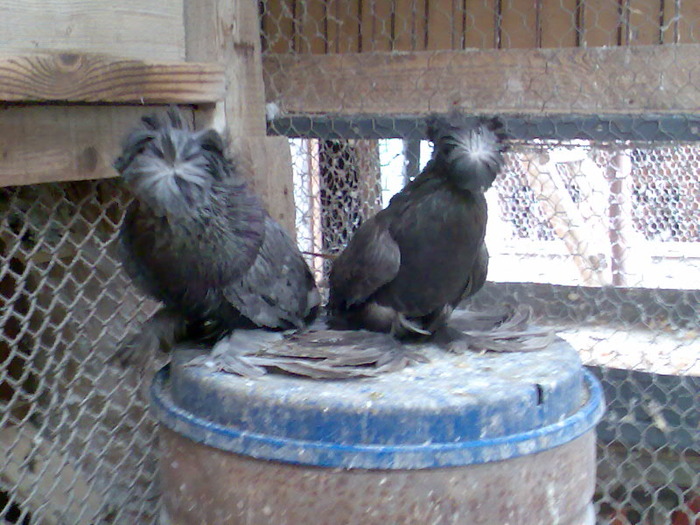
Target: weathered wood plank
<point>643,19</point>
<point>376,20</point>
<point>688,19</point>
<point>518,24</point>
<point>92,78</point>
<point>130,28</point>
<point>61,143</point>
<point>343,26</point>
<point>480,24</point>
<point>409,25</point>
<point>273,178</point>
<point>279,26</point>
<point>558,24</point>
<point>601,23</point>
<point>312,33</point>
<point>441,24</point>
<point>628,80</point>
<point>228,33</point>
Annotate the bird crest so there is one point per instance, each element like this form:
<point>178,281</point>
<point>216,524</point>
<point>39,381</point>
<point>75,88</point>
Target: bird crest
<point>168,167</point>
<point>470,154</point>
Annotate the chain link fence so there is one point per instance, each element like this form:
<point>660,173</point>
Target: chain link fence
<point>76,436</point>
<point>594,223</point>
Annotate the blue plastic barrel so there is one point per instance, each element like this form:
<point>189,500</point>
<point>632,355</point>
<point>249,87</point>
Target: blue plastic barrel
<point>464,439</point>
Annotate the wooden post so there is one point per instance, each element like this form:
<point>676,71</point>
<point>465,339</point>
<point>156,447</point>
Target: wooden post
<point>620,213</point>
<point>228,32</point>
<point>566,220</point>
<point>411,152</point>
<point>314,189</point>
<point>630,250</point>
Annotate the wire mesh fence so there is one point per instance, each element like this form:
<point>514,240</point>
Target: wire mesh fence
<point>603,245</point>
<point>79,442</point>
<point>320,26</point>
<point>76,436</point>
<point>593,223</point>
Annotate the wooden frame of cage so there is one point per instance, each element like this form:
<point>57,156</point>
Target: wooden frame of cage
<point>68,98</point>
<point>621,80</point>
<point>75,78</point>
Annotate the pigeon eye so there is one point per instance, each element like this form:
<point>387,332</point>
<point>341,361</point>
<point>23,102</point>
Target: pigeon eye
<point>447,148</point>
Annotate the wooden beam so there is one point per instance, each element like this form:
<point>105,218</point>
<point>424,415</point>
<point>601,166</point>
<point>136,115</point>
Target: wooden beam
<point>518,24</point>
<point>228,33</point>
<point>95,78</point>
<point>61,143</point>
<point>311,27</point>
<point>132,28</point>
<point>563,215</point>
<point>623,80</point>
<point>557,23</point>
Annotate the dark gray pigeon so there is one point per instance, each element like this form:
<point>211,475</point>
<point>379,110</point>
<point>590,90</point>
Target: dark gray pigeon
<point>199,241</point>
<point>409,266</point>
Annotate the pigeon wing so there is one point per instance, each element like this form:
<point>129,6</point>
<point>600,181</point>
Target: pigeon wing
<point>278,290</point>
<point>371,260</point>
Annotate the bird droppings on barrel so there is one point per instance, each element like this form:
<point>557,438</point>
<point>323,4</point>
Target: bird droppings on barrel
<point>472,438</point>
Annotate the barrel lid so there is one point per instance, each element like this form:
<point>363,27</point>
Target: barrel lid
<point>454,410</point>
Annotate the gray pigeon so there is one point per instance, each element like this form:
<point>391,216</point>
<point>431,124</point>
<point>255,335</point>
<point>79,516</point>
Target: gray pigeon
<point>409,266</point>
<point>199,241</point>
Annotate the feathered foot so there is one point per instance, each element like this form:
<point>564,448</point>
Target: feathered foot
<point>238,353</point>
<point>403,325</point>
<point>507,331</point>
<point>317,354</point>
<point>340,354</point>
<point>452,340</point>
<point>158,333</point>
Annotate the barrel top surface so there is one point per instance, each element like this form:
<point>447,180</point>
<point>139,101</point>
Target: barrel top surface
<point>455,409</point>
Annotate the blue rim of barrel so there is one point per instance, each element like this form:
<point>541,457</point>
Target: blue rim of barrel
<point>364,456</point>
